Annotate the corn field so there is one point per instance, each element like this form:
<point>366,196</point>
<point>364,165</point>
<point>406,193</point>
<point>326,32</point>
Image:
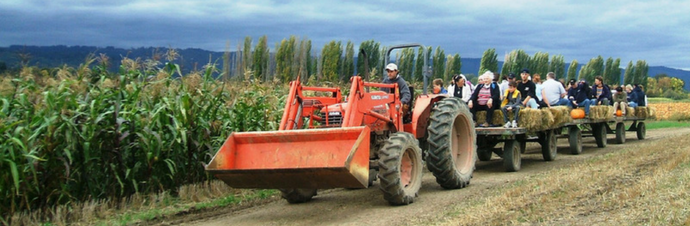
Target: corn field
<point>73,134</point>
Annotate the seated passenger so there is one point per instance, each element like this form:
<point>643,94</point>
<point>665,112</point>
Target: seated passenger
<point>438,87</point>
<point>512,101</point>
<point>484,97</point>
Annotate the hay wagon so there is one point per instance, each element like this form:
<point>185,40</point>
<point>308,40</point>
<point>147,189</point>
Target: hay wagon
<point>546,126</point>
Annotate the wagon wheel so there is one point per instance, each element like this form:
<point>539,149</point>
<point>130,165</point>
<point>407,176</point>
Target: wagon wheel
<point>511,156</point>
<point>548,145</point>
<point>641,131</point>
<point>620,133</point>
<point>575,140</point>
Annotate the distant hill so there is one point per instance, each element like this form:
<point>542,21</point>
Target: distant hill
<point>194,59</point>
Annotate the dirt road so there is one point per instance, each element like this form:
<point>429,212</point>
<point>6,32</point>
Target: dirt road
<point>366,206</point>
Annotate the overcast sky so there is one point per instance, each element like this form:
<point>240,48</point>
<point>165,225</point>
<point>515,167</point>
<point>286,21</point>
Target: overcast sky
<point>655,31</point>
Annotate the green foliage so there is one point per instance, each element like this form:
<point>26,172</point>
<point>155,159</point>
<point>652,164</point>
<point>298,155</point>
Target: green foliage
<point>373,50</point>
<point>612,72</point>
<point>539,64</point>
<point>629,76</point>
<point>69,139</point>
<point>349,62</point>
<point>419,66</point>
<point>515,61</point>
<point>572,70</point>
<point>664,86</point>
<point>454,66</point>
<point>640,73</point>
<point>439,63</point>
<point>304,60</point>
<point>260,61</point>
<point>406,63</point>
<point>285,60</point>
<point>557,66</point>
<point>331,60</point>
<point>247,55</point>
<point>595,67</point>
<point>488,62</point>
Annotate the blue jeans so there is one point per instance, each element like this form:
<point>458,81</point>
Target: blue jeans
<point>532,103</point>
<point>586,103</point>
<point>632,104</point>
<point>562,102</point>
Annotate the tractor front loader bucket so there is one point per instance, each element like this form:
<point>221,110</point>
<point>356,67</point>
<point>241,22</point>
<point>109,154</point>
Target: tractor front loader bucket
<point>310,158</point>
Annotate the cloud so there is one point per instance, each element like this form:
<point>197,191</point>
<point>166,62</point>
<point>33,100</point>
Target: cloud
<point>654,31</point>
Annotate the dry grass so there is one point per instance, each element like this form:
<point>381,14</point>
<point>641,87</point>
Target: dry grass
<point>645,185</point>
<point>87,213</point>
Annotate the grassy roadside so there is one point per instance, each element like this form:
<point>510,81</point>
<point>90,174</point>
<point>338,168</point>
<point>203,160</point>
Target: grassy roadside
<point>138,209</point>
<point>645,184</point>
<point>666,124</point>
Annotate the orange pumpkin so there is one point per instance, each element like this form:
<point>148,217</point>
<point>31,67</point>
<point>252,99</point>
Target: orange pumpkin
<point>577,113</point>
<point>619,113</point>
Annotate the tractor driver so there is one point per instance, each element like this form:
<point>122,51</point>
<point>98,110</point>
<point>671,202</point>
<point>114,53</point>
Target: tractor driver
<point>393,77</point>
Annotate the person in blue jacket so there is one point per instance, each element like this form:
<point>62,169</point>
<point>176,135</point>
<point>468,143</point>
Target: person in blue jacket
<point>601,94</point>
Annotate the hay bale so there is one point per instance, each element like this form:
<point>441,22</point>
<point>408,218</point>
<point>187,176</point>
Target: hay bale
<point>530,119</point>
<point>561,115</point>
<point>497,117</point>
<point>547,119</point>
<point>641,112</point>
<point>651,112</point>
<point>601,112</point>
<point>630,112</point>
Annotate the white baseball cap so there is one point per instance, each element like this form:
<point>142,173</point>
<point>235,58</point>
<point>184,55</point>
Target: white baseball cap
<point>391,67</point>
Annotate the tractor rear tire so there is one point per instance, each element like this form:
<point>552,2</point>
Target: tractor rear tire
<point>452,144</point>
<point>575,140</point>
<point>512,159</point>
<point>298,195</point>
<point>641,131</point>
<point>400,169</point>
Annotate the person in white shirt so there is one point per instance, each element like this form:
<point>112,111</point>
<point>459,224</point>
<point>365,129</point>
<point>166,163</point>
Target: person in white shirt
<point>458,88</point>
<point>553,93</point>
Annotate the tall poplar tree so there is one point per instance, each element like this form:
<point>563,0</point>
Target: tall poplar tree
<point>349,62</point>
<point>539,64</point>
<point>373,51</point>
<point>641,70</point>
<point>488,62</point>
<point>260,61</point>
<point>608,71</point>
<point>629,76</point>
<point>331,60</point>
<point>557,66</point>
<point>439,63</point>
<point>572,70</point>
<point>419,65</point>
<point>285,56</point>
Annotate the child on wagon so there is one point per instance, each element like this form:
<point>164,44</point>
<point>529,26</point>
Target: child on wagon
<point>512,101</point>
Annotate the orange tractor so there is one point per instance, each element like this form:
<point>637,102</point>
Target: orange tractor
<point>325,141</point>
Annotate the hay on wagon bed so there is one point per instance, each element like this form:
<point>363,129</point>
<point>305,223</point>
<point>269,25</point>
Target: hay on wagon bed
<point>601,112</point>
<point>535,119</point>
<point>497,117</point>
<point>651,112</point>
<point>630,112</point>
<point>641,112</point>
<point>561,114</point>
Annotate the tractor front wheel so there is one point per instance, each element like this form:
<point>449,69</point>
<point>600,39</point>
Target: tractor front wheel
<point>400,169</point>
<point>452,144</point>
